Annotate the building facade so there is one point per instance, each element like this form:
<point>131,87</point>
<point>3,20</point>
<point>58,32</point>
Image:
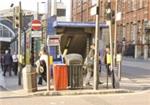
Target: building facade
<point>58,9</point>
<point>83,11</point>
<point>134,25</point>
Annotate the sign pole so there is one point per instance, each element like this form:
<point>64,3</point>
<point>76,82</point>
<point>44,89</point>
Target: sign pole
<point>115,36</point>
<point>96,55</point>
<point>19,44</point>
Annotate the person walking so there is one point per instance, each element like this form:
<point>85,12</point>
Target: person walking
<point>42,65</point>
<point>89,63</point>
<point>7,62</point>
<point>101,59</point>
<point>15,63</point>
<point>107,60</point>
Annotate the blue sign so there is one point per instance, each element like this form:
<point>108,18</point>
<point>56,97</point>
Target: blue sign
<point>51,30</point>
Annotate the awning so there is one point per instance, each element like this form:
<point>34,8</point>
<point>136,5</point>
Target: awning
<point>77,24</point>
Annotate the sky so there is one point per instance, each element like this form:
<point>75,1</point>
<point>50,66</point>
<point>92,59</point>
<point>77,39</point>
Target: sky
<point>27,4</point>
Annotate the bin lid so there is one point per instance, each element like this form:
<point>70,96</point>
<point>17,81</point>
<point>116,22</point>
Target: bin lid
<point>73,58</point>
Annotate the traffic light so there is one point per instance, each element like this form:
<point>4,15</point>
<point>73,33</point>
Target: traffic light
<point>113,17</point>
<point>17,17</point>
<point>108,11</point>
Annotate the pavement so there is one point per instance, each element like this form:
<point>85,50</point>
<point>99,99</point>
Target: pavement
<point>12,89</point>
<point>9,86</point>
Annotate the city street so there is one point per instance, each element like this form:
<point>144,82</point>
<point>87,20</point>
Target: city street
<point>51,49</point>
<point>138,72</point>
<point>135,77</point>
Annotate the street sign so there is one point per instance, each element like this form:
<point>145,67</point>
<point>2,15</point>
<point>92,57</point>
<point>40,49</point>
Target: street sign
<point>36,34</point>
<point>118,16</point>
<point>36,25</point>
<point>53,40</point>
<point>93,11</point>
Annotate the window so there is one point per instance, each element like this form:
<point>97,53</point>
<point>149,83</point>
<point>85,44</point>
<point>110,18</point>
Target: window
<point>124,31</point>
<point>134,33</point>
<point>141,4</point>
<point>129,6</point>
<point>61,12</point>
<point>78,2</point>
<point>133,5</point>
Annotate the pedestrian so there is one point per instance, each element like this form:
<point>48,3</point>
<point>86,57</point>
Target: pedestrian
<point>101,59</point>
<point>15,63</point>
<point>7,62</point>
<point>89,63</point>
<point>107,60</point>
<point>42,65</point>
<point>2,62</point>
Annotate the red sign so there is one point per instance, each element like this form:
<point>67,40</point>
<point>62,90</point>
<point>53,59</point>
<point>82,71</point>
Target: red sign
<point>36,25</point>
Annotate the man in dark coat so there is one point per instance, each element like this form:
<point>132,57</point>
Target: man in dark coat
<point>7,62</point>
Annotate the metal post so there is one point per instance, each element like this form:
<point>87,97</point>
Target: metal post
<point>119,70</point>
<point>37,10</point>
<point>96,55</point>
<point>14,17</point>
<point>19,44</point>
<point>115,36</point>
<point>48,8</point>
<point>48,66</point>
<point>111,47</point>
<point>116,74</point>
<point>24,47</point>
<point>48,73</point>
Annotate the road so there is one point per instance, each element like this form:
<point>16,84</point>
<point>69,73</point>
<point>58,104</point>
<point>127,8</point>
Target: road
<point>138,72</point>
<point>136,68</point>
<point>140,98</point>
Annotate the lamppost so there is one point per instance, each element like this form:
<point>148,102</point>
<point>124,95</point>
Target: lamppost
<point>95,86</point>
<point>13,12</point>
<point>43,22</point>
<point>18,25</point>
<point>47,62</point>
<point>37,9</point>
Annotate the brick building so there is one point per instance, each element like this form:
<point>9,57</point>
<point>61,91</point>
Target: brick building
<point>81,12</point>
<point>134,25</point>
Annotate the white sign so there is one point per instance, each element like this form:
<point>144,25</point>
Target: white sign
<point>119,57</point>
<point>93,11</point>
<point>36,34</point>
<point>53,40</point>
<point>118,16</point>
